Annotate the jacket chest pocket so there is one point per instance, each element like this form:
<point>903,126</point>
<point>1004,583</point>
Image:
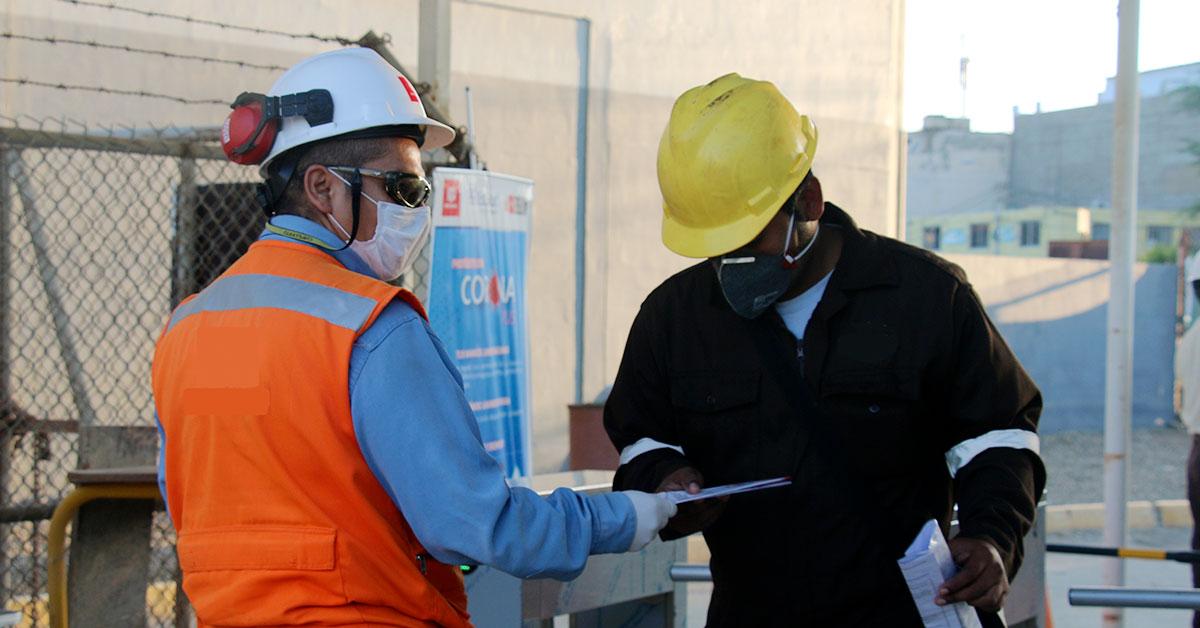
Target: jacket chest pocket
<point>714,417</point>
<point>877,412</point>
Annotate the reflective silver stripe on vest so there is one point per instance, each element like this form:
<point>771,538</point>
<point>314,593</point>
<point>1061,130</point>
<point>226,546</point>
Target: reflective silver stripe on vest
<point>243,292</point>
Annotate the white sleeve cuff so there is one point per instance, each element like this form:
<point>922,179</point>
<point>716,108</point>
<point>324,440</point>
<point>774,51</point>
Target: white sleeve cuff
<point>964,452</point>
<point>642,446</point>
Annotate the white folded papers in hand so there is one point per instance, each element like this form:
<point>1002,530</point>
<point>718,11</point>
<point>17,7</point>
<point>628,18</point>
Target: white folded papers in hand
<point>680,497</point>
<point>926,565</point>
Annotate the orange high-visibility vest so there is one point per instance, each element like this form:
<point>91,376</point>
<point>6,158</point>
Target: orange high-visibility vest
<point>280,521</point>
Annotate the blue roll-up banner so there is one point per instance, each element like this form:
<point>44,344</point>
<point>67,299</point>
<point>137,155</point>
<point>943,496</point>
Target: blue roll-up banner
<point>477,301</point>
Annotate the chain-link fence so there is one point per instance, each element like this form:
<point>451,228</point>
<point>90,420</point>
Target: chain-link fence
<point>102,232</point>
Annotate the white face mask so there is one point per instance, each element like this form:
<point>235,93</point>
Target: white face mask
<point>400,232</point>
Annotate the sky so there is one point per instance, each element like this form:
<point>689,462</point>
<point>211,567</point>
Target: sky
<point>1024,52</point>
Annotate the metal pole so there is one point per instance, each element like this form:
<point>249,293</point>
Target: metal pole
<point>1135,598</point>
<point>186,232</point>
<point>1182,291</point>
<point>6,155</point>
<point>1118,379</point>
<point>433,50</point>
<point>684,572</point>
<point>584,41</point>
<point>1145,553</point>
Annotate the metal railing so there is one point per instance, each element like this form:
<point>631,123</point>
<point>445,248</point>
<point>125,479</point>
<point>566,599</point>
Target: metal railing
<point>1180,556</point>
<point>691,572</point>
<point>1120,597</point>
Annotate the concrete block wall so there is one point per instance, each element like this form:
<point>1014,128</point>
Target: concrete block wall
<point>1065,157</point>
<point>951,169</point>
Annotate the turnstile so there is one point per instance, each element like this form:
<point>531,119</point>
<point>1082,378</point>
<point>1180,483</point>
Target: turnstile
<point>632,589</point>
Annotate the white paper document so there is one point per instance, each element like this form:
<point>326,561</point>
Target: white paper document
<point>680,497</point>
<point>926,565</point>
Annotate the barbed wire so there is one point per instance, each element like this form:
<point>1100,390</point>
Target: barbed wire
<point>333,39</point>
<point>108,90</point>
<point>162,53</point>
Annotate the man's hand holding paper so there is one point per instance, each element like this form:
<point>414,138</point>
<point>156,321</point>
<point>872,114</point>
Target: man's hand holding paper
<point>980,581</point>
<point>693,516</point>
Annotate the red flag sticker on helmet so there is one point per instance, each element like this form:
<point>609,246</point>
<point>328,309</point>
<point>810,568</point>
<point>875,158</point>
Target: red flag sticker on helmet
<point>412,93</point>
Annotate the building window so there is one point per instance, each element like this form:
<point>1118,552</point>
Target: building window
<point>933,238</point>
<point>1101,231</point>
<point>979,236</point>
<point>1157,234</point>
<point>1031,233</point>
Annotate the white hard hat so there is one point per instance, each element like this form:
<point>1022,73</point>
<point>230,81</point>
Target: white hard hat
<point>367,93</point>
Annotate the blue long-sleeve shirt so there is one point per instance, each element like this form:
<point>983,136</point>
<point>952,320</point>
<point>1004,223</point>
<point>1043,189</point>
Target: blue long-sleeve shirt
<point>419,436</point>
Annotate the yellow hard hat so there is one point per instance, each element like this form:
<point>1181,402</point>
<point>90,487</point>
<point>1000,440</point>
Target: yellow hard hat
<point>733,151</point>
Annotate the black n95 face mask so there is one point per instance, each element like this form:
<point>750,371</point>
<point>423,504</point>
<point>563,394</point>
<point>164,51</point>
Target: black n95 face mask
<point>753,283</point>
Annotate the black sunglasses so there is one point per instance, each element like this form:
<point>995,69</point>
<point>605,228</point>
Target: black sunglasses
<point>406,188</point>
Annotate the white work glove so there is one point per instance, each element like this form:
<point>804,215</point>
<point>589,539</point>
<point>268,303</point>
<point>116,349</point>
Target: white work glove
<point>653,510</point>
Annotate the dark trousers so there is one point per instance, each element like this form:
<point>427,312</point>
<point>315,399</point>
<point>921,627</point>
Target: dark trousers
<point>1193,476</point>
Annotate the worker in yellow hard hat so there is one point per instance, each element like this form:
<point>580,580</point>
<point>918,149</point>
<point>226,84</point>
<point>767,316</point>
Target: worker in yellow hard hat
<point>801,346</point>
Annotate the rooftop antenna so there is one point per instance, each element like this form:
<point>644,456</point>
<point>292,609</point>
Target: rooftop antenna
<point>962,74</point>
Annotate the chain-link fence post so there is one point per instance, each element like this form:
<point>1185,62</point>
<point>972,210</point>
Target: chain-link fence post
<point>6,155</point>
<point>184,272</point>
<point>185,233</point>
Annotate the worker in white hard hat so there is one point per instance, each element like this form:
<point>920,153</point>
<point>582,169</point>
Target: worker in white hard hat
<point>1187,371</point>
<point>803,346</point>
<point>319,459</point>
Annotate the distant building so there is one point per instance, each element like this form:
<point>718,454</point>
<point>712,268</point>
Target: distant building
<point>1028,232</point>
<point>1052,163</point>
<point>1158,82</point>
<point>1065,157</point>
<point>951,169</point>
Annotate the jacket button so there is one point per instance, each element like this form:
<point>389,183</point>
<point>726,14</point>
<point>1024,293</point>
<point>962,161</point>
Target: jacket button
<point>873,409</point>
<point>711,400</point>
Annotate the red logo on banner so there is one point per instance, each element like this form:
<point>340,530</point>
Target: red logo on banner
<point>451,200</point>
<point>494,290</point>
<point>412,93</point>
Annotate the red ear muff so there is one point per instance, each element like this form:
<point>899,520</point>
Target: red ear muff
<point>249,132</point>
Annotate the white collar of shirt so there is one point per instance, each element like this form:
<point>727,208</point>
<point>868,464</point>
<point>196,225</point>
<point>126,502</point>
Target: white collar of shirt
<point>797,311</point>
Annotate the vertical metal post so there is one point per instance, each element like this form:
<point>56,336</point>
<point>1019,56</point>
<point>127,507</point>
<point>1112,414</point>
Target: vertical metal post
<point>186,230</point>
<point>183,284</point>
<point>1118,381</point>
<point>583,39</point>
<point>901,227</point>
<point>6,155</point>
<point>1183,294</point>
<point>433,50</point>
